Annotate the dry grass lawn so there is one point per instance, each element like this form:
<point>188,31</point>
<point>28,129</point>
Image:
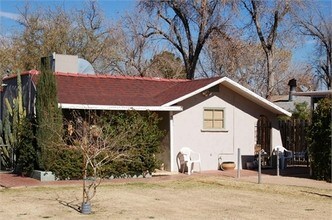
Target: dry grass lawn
<point>190,198</point>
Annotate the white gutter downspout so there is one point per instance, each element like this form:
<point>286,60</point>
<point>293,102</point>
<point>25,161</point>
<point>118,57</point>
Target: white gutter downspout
<point>171,140</point>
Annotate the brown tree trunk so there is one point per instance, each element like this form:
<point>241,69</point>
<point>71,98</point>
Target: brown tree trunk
<point>191,70</point>
<point>270,74</point>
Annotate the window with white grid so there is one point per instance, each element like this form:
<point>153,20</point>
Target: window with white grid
<point>213,119</point>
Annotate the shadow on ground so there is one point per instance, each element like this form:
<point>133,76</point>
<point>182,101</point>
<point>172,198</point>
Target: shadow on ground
<point>290,171</point>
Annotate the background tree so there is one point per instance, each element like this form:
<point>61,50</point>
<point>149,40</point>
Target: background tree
<point>166,65</point>
<point>319,138</point>
<point>132,50</point>
<point>268,18</point>
<point>303,76</point>
<point>137,55</point>
<point>245,63</point>
<point>6,55</point>
<point>83,32</point>
<point>49,119</point>
<point>319,27</point>
<point>187,25</point>
<point>91,36</point>
<point>225,61</point>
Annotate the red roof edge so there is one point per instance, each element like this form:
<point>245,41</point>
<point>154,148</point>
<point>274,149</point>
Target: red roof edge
<point>36,72</point>
<point>30,72</point>
<point>118,77</point>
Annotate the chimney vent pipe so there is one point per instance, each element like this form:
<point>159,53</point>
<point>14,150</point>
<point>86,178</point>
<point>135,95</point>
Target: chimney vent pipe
<point>292,88</point>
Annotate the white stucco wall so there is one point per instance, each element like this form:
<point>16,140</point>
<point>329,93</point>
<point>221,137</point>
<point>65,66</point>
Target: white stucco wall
<point>241,118</point>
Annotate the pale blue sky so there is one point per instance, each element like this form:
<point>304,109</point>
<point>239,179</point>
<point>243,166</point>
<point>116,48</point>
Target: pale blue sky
<point>113,10</point>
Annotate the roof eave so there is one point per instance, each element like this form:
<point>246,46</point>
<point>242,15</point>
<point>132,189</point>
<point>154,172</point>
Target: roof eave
<point>239,88</point>
<point>194,92</point>
<point>256,98</point>
<point>325,93</point>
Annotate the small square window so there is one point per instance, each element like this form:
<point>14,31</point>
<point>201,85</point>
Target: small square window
<point>213,119</point>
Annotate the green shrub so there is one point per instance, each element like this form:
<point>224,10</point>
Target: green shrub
<point>26,153</point>
<point>117,169</point>
<point>68,164</point>
<point>319,139</point>
<point>301,111</point>
<point>143,141</point>
<point>135,136</point>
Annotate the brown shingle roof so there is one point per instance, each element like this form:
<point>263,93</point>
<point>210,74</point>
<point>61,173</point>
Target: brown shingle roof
<point>111,92</point>
<point>183,88</point>
<point>123,91</point>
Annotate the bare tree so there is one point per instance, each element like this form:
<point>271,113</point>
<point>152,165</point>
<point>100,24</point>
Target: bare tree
<point>91,36</point>
<point>138,55</point>
<point>187,25</point>
<point>99,145</point>
<point>267,18</point>
<point>245,63</point>
<point>132,50</point>
<point>319,27</point>
<point>301,73</point>
<point>105,138</point>
<point>82,32</point>
<point>6,54</point>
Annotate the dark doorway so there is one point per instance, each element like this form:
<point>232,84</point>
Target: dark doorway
<point>264,133</point>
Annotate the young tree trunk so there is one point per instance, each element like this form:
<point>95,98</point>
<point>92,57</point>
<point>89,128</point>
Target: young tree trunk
<point>85,196</point>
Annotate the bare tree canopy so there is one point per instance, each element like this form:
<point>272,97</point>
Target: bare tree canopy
<point>44,31</point>
<point>132,50</point>
<point>245,63</point>
<point>267,18</point>
<point>319,27</point>
<point>187,25</point>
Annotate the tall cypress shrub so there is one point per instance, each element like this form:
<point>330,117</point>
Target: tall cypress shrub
<point>49,119</point>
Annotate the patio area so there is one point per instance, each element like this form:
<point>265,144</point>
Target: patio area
<point>9,180</point>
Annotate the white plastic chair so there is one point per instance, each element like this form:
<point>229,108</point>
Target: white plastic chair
<point>187,158</point>
<point>284,155</point>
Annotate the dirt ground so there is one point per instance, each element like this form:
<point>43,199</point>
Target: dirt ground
<point>194,197</point>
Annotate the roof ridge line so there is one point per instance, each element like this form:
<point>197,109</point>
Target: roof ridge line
<point>119,77</point>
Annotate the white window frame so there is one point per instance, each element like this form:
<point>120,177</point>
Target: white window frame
<point>223,128</point>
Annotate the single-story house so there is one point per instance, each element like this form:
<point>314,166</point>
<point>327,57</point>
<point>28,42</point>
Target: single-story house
<point>294,132</point>
<point>212,116</point>
<point>294,97</point>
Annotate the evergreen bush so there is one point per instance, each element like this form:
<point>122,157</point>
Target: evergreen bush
<point>49,119</point>
<point>26,154</point>
<point>69,163</point>
<point>319,139</point>
<point>143,142</point>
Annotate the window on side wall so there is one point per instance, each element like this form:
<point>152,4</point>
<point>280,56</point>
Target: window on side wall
<point>213,119</point>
